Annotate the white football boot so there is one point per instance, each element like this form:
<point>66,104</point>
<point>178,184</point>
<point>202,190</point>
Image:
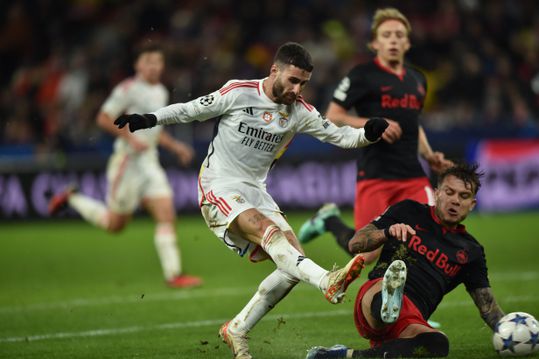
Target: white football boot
<point>392,291</point>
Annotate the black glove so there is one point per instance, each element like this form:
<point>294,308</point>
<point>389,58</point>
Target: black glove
<point>374,128</point>
<point>136,121</point>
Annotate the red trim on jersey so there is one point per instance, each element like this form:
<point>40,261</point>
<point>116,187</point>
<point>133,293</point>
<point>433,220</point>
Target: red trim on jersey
<point>387,69</point>
<point>118,176</point>
<point>308,106</point>
<point>213,200</point>
<point>235,85</point>
<point>203,197</point>
<point>459,229</point>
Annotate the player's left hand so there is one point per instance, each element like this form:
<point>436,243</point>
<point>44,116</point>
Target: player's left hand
<point>393,132</point>
<point>184,152</point>
<point>438,163</point>
<point>136,121</point>
<point>401,231</point>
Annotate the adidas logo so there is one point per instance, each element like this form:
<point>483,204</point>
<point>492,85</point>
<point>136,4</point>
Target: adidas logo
<point>248,110</point>
<point>300,259</point>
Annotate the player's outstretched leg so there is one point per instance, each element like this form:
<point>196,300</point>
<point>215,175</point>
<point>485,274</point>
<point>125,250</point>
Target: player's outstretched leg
<point>336,351</point>
<point>59,201</point>
<point>236,342</point>
<point>392,291</point>
<point>316,226</point>
<point>340,279</point>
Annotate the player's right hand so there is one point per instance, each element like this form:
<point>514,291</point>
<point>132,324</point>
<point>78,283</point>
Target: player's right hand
<point>136,121</point>
<point>401,231</point>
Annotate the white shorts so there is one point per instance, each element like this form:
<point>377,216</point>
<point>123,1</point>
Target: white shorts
<point>132,178</point>
<point>222,200</point>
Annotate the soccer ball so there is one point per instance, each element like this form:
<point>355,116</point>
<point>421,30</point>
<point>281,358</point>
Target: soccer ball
<point>516,334</point>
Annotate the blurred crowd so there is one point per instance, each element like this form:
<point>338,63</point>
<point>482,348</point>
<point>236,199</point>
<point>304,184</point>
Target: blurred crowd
<point>61,59</point>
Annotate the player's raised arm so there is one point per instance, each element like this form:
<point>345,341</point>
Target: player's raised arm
<point>488,308</point>
<point>200,109</point>
<point>346,136</point>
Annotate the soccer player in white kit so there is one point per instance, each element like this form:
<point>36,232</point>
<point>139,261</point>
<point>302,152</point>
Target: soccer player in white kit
<point>134,174</point>
<point>257,119</point>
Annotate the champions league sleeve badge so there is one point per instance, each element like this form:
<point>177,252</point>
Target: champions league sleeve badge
<point>207,100</point>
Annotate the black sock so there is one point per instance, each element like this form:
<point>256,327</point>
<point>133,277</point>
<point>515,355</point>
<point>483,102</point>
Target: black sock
<point>376,306</point>
<point>430,344</point>
<point>343,234</point>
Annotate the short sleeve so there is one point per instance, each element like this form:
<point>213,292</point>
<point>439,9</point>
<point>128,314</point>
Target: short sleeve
<point>351,89</point>
<point>393,214</point>
<point>476,273</point>
<point>117,102</point>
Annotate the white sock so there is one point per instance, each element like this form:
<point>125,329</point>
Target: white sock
<point>270,291</point>
<point>290,260</point>
<point>90,209</point>
<point>167,250</point>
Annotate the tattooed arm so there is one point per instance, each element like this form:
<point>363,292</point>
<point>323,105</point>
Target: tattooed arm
<point>370,237</point>
<point>488,308</point>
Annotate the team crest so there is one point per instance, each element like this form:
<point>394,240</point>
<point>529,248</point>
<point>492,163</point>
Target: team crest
<point>267,116</point>
<point>462,256</point>
<point>238,198</point>
<point>421,89</point>
<point>283,120</point>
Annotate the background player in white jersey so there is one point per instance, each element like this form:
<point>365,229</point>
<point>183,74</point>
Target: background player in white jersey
<point>257,120</point>
<point>134,174</point>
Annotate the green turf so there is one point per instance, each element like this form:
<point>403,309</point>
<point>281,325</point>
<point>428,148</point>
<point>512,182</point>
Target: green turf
<point>68,290</point>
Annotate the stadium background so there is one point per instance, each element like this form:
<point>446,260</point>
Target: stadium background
<point>70,290</point>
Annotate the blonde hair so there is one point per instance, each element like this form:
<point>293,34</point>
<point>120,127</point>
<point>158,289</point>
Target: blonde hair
<point>388,13</point>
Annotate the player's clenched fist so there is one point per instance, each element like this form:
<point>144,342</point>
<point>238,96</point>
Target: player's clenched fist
<point>136,121</point>
<point>374,128</point>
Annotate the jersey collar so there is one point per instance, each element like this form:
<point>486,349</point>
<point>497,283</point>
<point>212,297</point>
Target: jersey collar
<point>387,69</point>
<point>459,229</point>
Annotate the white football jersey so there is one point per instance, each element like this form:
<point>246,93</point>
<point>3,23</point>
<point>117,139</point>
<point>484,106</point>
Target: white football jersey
<point>134,95</point>
<point>252,131</point>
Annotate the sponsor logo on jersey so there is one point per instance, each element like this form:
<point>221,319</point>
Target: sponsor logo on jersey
<point>419,228</point>
<point>267,116</point>
<point>259,133</point>
<point>207,100</point>
<point>258,138</point>
<point>248,110</point>
<point>407,101</point>
<point>435,256</point>
<point>283,119</point>
<point>385,88</point>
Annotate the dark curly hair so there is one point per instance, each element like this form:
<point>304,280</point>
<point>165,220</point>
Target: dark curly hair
<point>292,53</point>
<point>468,173</point>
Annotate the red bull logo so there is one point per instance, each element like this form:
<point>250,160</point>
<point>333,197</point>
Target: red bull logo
<point>440,260</point>
<point>406,101</point>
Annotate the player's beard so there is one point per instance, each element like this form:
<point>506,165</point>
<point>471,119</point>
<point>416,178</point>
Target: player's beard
<point>280,95</point>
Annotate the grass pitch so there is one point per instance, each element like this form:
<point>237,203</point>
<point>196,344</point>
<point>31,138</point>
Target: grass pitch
<point>69,290</point>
